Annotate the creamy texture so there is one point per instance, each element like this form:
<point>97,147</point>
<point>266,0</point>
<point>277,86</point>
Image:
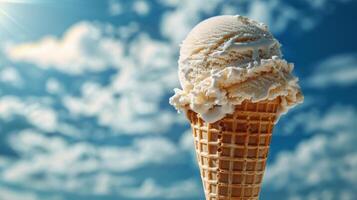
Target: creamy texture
<point>228,59</point>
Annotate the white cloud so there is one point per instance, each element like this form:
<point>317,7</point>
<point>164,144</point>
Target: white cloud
<point>142,152</point>
<point>115,8</point>
<point>324,4</point>
<point>129,114</point>
<point>141,7</point>
<point>150,189</point>
<point>53,86</point>
<point>338,70</point>
<point>277,14</point>
<point>60,164</point>
<point>324,195</point>
<point>131,103</point>
<point>186,14</point>
<point>12,194</point>
<point>326,161</point>
<point>274,13</point>
<point>105,183</point>
<point>186,141</point>
<point>4,161</point>
<point>187,145</point>
<point>11,76</point>
<point>330,120</point>
<point>37,114</point>
<point>128,30</point>
<point>9,193</point>
<point>50,163</point>
<point>84,47</point>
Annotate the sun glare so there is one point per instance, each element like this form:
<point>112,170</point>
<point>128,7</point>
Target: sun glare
<point>14,1</point>
<point>8,22</point>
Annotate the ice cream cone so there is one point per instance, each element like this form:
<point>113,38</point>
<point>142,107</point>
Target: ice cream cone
<point>232,152</point>
<point>235,84</point>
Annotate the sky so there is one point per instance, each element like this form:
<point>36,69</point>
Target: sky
<point>84,88</point>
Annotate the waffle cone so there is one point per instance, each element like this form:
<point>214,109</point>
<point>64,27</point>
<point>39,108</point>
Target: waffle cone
<point>232,152</point>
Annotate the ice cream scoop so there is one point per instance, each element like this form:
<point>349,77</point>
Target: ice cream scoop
<point>227,59</point>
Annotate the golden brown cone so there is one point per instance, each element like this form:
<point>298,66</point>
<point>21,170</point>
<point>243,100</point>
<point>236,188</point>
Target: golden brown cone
<point>233,151</point>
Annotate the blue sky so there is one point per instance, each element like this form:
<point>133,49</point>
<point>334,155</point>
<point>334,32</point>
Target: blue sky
<point>84,88</point>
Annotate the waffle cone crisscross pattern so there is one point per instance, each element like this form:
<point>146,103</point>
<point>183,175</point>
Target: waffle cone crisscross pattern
<point>232,152</point>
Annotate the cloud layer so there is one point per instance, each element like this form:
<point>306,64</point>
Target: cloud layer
<point>51,163</point>
<point>322,166</point>
<point>83,48</point>
<point>340,70</point>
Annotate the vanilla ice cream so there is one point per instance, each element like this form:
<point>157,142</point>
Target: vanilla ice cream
<point>227,59</point>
